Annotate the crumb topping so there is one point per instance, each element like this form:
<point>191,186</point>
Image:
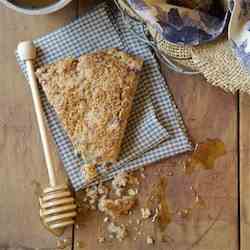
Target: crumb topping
<point>93,96</point>
<point>149,240</point>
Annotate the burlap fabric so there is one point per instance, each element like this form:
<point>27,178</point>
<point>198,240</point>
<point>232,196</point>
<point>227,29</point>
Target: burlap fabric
<point>215,60</point>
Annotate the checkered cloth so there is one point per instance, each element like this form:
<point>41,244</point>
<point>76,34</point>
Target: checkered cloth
<point>155,129</point>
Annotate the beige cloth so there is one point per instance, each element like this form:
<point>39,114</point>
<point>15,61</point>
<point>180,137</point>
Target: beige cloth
<point>216,60</point>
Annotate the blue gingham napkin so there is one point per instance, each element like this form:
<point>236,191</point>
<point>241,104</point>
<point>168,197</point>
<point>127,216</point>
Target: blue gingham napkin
<point>155,129</point>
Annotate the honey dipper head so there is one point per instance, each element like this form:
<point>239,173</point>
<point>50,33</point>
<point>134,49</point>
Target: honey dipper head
<point>26,50</point>
<point>58,208</point>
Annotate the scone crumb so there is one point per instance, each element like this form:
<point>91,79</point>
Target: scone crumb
<point>102,189</point>
<point>146,213</point>
<point>121,181</point>
<point>91,195</point>
<point>170,173</point>
<point>118,231</point>
<point>106,219</point>
<point>101,239</point>
<point>90,171</point>
<point>111,236</point>
<point>116,207</point>
<point>155,216</point>
<point>132,192</point>
<point>143,176</point>
<point>119,192</point>
<point>150,240</point>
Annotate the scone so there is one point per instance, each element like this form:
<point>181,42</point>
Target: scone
<point>92,96</point>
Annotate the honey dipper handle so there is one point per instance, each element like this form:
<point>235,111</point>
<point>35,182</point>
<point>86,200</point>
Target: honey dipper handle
<point>40,120</point>
<point>27,53</point>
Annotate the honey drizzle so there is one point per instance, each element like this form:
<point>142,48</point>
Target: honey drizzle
<point>157,198</point>
<point>204,155</point>
<point>198,202</point>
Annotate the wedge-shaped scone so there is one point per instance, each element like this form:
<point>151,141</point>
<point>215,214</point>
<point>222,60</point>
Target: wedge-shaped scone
<point>92,96</point>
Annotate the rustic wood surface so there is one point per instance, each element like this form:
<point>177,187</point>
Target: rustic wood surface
<point>22,170</point>
<point>209,228</point>
<point>208,113</point>
<point>244,119</point>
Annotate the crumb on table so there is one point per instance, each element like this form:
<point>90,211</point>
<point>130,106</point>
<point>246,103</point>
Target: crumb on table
<point>118,231</point>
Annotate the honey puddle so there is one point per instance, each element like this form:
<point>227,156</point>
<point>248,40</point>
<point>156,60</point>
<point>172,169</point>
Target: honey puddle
<point>205,155</point>
<point>157,199</point>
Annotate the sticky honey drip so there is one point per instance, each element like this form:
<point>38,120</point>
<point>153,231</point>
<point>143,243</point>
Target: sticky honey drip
<point>205,155</point>
<point>158,199</point>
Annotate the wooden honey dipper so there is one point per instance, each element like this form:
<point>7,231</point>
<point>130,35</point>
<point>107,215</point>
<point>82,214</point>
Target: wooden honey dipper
<point>57,206</point>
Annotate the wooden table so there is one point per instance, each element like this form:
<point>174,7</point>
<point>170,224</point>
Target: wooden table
<point>208,113</point>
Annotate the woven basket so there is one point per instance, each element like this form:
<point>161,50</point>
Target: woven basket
<point>215,60</point>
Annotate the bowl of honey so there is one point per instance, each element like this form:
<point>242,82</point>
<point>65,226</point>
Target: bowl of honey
<point>35,7</point>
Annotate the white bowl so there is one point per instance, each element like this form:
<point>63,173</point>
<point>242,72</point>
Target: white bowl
<point>36,11</point>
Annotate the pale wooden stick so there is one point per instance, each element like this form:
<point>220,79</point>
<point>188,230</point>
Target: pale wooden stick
<point>27,53</point>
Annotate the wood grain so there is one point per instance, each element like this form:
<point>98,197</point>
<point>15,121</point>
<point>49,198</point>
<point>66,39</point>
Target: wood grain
<point>244,139</point>
<point>208,113</point>
<point>22,168</point>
